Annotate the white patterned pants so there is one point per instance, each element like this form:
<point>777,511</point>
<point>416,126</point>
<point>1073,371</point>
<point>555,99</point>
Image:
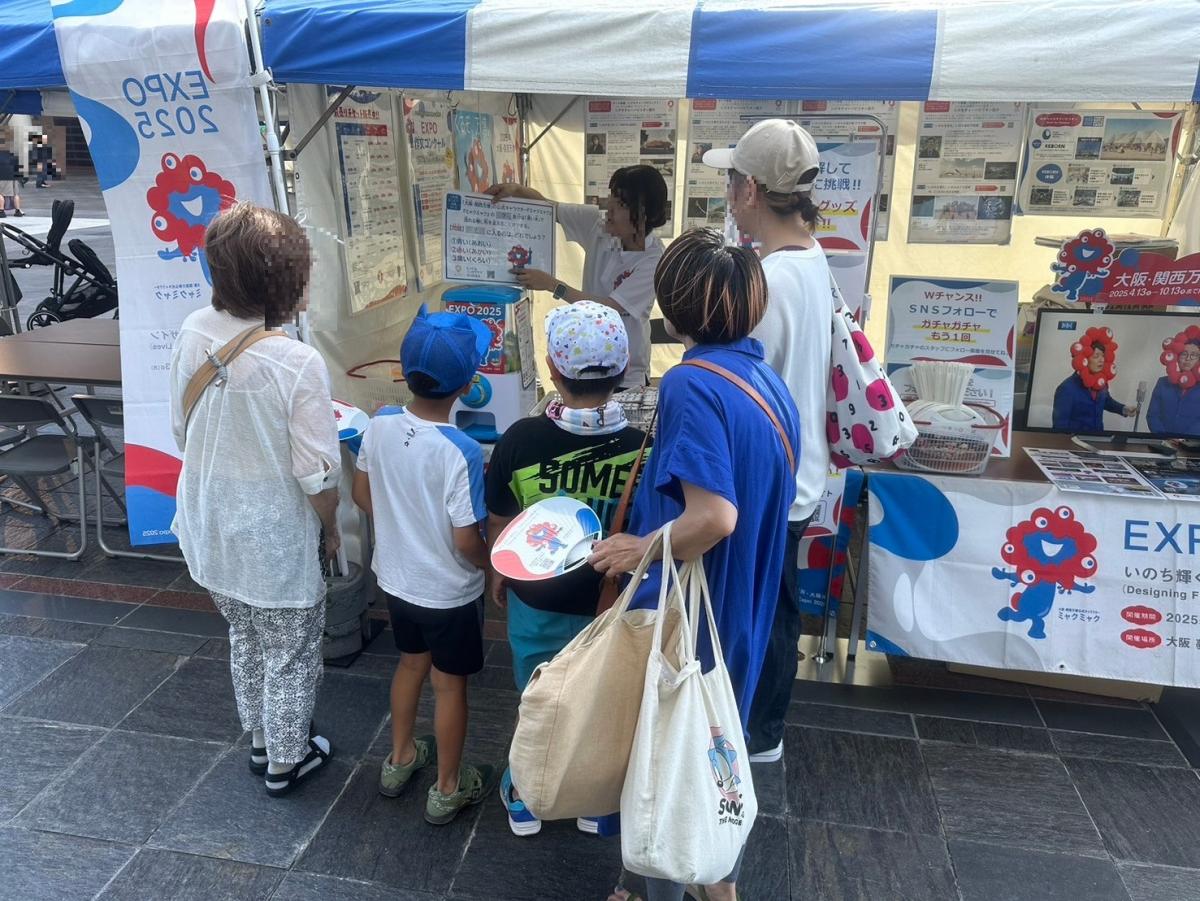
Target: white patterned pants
<point>275,661</point>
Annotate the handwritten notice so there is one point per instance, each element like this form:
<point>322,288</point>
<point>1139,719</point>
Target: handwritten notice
<point>484,240</point>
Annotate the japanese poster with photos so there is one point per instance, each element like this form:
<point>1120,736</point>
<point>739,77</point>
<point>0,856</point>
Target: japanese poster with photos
<point>629,131</point>
<point>1084,162</point>
<point>965,172</point>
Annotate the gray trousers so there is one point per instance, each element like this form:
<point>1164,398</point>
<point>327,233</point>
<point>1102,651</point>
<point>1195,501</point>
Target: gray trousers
<point>665,890</point>
<point>275,661</point>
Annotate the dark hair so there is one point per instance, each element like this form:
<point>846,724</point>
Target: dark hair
<point>710,291</point>
<point>592,387</point>
<point>426,387</point>
<point>644,193</point>
<point>783,204</point>
<point>1100,345</point>
<point>259,260</point>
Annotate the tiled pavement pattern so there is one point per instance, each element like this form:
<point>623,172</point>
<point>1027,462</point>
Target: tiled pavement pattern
<point>123,776</point>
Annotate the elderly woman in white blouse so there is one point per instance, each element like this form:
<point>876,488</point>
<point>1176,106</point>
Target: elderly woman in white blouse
<point>260,469</point>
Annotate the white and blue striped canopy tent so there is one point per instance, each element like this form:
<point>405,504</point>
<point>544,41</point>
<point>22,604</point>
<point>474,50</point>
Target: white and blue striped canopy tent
<point>1020,50</point>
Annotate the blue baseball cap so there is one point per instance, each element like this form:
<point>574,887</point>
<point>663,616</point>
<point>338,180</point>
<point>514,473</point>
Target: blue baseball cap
<point>447,347</point>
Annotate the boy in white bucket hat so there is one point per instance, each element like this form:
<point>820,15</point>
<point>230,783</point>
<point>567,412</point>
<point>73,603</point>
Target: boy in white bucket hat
<point>581,447</point>
<point>772,170</point>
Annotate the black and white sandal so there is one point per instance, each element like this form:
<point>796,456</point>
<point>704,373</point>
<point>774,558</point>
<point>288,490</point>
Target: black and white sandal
<point>258,756</point>
<point>282,783</point>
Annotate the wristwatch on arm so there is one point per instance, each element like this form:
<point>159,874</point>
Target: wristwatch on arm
<point>560,291</point>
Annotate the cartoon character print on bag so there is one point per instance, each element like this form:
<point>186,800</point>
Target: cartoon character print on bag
<point>1051,553</point>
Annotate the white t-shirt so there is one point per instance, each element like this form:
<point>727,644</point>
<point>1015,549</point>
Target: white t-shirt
<point>256,448</point>
<point>625,276</point>
<point>426,479</point>
<point>796,334</point>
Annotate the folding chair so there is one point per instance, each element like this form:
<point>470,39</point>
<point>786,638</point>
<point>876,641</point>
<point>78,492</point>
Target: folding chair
<point>102,412</point>
<point>36,455</point>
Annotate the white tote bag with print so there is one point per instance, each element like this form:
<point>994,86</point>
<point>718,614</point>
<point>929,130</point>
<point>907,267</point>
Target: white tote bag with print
<point>688,803</point>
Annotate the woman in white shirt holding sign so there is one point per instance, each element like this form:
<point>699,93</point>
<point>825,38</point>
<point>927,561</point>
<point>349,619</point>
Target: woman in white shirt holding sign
<point>620,254</point>
<point>772,170</point>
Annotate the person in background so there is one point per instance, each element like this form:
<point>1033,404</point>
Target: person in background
<point>1175,404</point>
<point>1082,398</point>
<point>771,172</point>
<point>420,480</point>
<point>10,184</point>
<point>581,447</point>
<point>719,471</point>
<point>621,252</point>
<point>259,484</point>
<point>43,157</point>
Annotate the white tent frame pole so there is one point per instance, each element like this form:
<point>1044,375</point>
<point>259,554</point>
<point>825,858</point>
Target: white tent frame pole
<point>261,79</point>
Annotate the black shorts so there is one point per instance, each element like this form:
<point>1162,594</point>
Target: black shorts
<point>453,637</point>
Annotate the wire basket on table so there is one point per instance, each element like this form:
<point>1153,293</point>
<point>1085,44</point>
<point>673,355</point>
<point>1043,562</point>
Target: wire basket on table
<point>953,450</point>
<point>379,383</point>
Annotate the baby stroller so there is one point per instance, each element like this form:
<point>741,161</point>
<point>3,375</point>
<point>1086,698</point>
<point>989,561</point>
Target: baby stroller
<point>83,287</point>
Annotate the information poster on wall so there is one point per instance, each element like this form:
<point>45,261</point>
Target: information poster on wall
<point>474,136</point>
<point>371,194</point>
<point>484,239</point>
<point>887,111</point>
<point>428,123</point>
<point>629,131</point>
<point>1099,162</point>
<point>849,271</point>
<point>716,123</point>
<point>956,320</point>
<point>965,174</point>
<point>506,145</point>
<point>845,192</point>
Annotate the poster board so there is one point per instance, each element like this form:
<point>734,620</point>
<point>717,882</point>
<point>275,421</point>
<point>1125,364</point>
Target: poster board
<point>483,239</point>
<point>965,172</point>
<point>957,320</point>
<point>629,131</point>
<point>1110,163</point>
<point>369,173</point>
<point>428,124</point>
<point>845,192</point>
<point>719,124</point>
<point>888,112</point>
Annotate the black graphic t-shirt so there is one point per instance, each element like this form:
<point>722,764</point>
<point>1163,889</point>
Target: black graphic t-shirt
<point>535,459</point>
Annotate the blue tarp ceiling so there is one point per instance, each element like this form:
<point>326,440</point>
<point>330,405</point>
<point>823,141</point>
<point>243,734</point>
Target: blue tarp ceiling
<point>28,48</point>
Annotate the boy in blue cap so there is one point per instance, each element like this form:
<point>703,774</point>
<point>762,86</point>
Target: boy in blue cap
<point>421,481</point>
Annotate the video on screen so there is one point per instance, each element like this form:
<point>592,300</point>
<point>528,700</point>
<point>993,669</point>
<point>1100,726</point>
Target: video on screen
<point>1116,373</point>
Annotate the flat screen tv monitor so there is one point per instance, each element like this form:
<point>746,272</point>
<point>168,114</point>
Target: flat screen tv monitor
<point>1115,374</point>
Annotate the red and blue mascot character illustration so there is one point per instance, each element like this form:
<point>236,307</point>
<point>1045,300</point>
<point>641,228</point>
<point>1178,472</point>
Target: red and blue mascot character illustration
<point>185,198</point>
<point>1083,264</point>
<point>1051,553</point>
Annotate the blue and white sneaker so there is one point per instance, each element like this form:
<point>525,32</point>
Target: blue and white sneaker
<point>520,820</point>
<point>589,825</point>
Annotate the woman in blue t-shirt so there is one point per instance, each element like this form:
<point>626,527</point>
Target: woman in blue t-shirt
<point>719,469</point>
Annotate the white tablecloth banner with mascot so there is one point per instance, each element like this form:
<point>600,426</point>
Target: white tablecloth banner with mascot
<point>164,97</point>
<point>1020,575</point>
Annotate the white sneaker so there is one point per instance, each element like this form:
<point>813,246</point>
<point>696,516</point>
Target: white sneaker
<point>774,755</point>
<point>590,825</point>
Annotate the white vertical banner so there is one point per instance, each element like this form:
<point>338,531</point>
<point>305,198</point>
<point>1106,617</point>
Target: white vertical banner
<point>164,97</point>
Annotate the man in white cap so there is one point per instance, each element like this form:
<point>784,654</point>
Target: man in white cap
<point>582,447</point>
<point>772,170</point>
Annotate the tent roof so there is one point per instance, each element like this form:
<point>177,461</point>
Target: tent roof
<point>28,47</point>
<point>1039,50</point>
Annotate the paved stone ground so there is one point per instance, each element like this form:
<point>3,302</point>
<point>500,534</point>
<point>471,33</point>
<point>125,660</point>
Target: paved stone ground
<point>124,776</point>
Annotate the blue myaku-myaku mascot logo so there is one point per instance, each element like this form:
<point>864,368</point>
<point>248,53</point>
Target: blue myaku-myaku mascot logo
<point>1083,264</point>
<point>1051,553</point>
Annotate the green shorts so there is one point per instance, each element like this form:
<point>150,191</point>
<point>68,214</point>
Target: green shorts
<point>537,635</point>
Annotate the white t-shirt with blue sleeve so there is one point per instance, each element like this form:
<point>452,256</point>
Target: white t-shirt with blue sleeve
<point>426,479</point>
